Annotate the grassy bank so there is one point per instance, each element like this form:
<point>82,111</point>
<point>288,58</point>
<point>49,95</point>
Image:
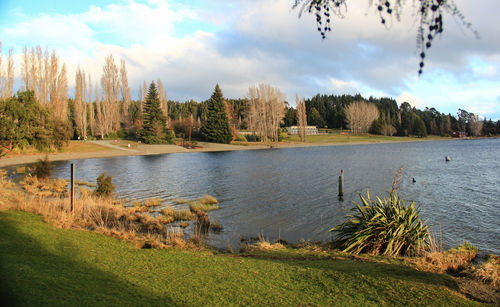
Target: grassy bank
<point>44,265</point>
<point>359,138</point>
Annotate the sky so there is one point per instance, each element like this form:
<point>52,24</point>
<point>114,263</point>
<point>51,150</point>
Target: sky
<point>191,45</point>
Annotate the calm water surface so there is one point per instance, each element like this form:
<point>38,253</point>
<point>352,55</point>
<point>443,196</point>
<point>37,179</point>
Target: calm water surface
<point>292,193</point>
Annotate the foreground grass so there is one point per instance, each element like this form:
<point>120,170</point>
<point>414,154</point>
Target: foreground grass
<point>44,265</point>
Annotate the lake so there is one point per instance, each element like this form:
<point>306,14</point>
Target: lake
<point>291,193</point>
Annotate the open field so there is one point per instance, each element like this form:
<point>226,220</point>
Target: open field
<point>365,138</point>
<point>42,265</point>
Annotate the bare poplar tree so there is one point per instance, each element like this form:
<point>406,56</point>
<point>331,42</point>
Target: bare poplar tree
<point>110,83</point>
<point>61,102</point>
<point>360,116</point>
<point>163,99</point>
<point>2,77</point>
<point>10,73</point>
<point>100,122</point>
<point>80,108</point>
<point>91,120</point>
<point>125,90</point>
<point>266,111</point>
<point>26,69</point>
<point>301,117</point>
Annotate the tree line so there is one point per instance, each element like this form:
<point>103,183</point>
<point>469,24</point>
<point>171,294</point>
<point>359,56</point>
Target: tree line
<point>104,108</point>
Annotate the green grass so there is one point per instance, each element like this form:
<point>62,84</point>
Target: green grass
<point>337,138</point>
<point>43,265</point>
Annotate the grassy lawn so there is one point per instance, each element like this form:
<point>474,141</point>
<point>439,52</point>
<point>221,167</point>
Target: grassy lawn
<point>80,146</point>
<point>337,138</point>
<point>43,265</point>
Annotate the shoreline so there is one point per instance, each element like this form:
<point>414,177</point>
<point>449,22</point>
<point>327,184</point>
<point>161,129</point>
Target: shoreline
<point>112,150</point>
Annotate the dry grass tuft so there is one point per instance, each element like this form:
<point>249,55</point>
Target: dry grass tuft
<point>265,246</point>
<point>45,187</point>
<point>488,271</point>
<point>165,219</point>
<point>208,200</point>
<point>167,211</point>
<point>183,224</point>
<point>152,202</point>
<point>103,215</point>
<point>183,215</point>
<point>179,201</point>
<point>450,261</point>
<point>196,206</point>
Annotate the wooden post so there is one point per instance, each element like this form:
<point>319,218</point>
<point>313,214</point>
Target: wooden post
<point>72,188</point>
<point>341,184</point>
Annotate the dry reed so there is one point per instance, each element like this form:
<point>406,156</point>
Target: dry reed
<point>103,215</point>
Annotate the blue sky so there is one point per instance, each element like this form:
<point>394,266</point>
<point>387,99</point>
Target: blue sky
<point>192,45</point>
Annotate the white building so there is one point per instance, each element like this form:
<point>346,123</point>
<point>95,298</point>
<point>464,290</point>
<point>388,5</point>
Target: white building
<point>310,130</point>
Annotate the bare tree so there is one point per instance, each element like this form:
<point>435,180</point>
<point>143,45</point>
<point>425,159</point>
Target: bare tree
<point>99,120</point>
<point>125,90</point>
<point>266,111</point>
<point>475,124</point>
<point>301,117</point>
<point>162,93</point>
<point>110,83</point>
<point>360,116</point>
<point>10,73</point>
<point>80,108</point>
<point>91,111</point>
<point>61,102</point>
<point>3,81</point>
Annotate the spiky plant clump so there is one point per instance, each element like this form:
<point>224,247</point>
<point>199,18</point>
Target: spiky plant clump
<point>383,226</point>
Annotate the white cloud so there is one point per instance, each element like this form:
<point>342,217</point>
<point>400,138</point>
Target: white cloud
<point>412,100</point>
<point>264,41</point>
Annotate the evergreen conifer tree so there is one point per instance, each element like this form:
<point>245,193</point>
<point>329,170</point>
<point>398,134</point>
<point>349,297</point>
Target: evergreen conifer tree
<point>216,127</point>
<point>154,129</point>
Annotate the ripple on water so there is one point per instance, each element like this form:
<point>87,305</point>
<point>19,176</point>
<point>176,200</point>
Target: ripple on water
<point>292,192</point>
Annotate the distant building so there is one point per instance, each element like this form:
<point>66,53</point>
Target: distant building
<point>459,134</point>
<point>310,130</point>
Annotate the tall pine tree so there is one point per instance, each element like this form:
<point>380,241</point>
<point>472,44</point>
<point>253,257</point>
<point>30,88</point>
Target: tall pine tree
<point>154,129</point>
<point>216,128</point>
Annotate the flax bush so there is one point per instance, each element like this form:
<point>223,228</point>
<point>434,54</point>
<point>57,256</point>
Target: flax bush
<point>383,226</point>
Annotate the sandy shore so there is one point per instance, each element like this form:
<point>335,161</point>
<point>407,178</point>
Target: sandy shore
<point>113,150</point>
<point>117,151</point>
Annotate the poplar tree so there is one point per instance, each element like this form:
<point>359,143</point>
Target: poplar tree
<point>154,129</point>
<point>216,127</point>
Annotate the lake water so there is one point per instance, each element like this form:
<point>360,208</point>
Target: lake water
<point>292,193</point>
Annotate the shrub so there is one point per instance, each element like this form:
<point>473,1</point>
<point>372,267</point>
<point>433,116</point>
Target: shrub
<point>42,169</point>
<point>253,138</point>
<point>105,187</point>
<point>241,138</point>
<point>386,226</point>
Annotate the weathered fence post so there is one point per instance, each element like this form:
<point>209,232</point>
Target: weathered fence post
<point>72,188</point>
<point>341,184</point>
